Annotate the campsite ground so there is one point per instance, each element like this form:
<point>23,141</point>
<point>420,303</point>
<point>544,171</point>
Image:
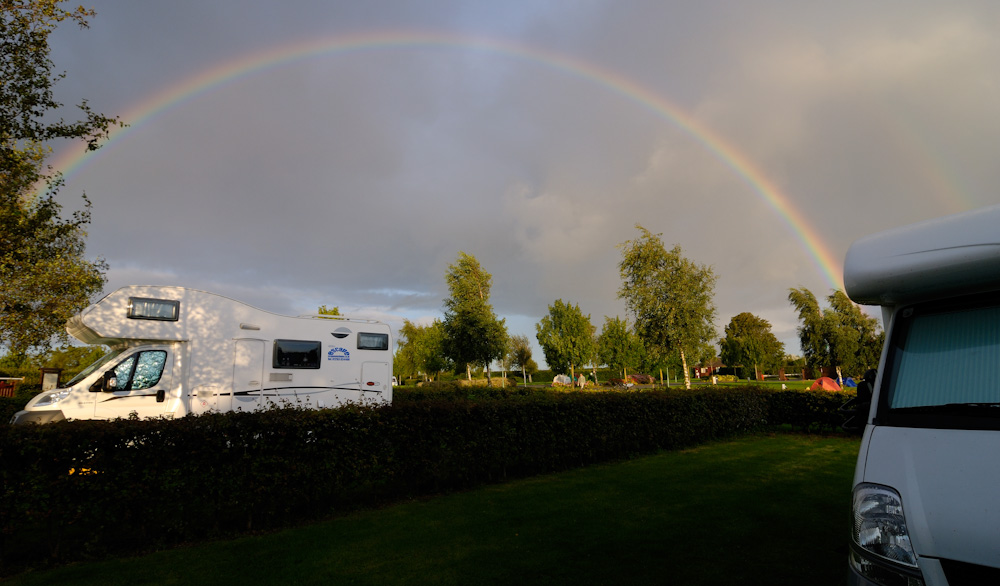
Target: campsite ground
<point>768,509</point>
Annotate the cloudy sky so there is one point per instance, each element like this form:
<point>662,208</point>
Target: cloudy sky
<point>316,152</point>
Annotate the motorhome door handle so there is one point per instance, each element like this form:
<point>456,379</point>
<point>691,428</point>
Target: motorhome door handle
<point>161,395</point>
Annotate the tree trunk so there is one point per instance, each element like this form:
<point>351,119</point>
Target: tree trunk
<point>489,377</point>
<point>468,372</point>
<point>687,373</point>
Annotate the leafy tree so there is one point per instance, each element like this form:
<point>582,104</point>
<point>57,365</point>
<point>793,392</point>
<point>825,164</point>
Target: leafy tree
<point>749,342</point>
<point>842,337</point>
<point>854,339</point>
<point>45,278</point>
<point>520,355</point>
<point>472,333</point>
<point>669,297</point>
<point>420,350</point>
<point>619,347</point>
<point>529,368</point>
<point>811,329</point>
<point>324,310</point>
<point>566,337</point>
<point>71,358</point>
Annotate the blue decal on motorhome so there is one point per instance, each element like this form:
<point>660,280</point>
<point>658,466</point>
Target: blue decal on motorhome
<point>338,354</point>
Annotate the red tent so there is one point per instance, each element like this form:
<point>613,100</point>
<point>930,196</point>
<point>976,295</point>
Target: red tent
<point>826,383</point>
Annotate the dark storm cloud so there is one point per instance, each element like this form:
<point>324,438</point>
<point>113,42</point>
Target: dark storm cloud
<point>354,178</point>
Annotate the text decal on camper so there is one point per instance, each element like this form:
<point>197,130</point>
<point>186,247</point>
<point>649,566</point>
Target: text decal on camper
<point>338,354</point>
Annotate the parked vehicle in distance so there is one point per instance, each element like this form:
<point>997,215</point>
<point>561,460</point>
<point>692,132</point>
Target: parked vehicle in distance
<point>926,509</point>
<point>176,351</point>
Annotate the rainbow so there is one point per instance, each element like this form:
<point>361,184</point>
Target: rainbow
<point>272,57</point>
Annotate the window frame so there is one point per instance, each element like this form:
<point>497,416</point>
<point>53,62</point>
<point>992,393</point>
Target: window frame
<point>309,366</point>
<point>382,337</point>
<point>133,313</point>
<point>130,379</point>
<point>927,416</point>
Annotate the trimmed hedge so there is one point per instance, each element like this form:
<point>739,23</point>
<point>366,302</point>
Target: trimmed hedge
<point>74,490</point>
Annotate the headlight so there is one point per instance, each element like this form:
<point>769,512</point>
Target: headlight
<point>52,398</point>
<point>882,551</point>
<point>879,524</point>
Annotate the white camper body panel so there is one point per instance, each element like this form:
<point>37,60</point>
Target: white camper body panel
<point>212,353</point>
<point>953,255</point>
<point>927,442</point>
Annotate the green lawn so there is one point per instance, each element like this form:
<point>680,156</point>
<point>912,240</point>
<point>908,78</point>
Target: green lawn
<point>758,510</point>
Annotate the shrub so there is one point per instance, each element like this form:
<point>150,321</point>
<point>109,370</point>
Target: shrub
<point>87,488</point>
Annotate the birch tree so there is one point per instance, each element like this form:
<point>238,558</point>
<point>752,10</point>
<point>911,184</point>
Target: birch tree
<point>670,298</point>
<point>473,336</point>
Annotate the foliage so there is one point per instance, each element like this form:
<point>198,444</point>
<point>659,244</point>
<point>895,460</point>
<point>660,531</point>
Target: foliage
<point>472,333</point>
<point>520,355</point>
<point>669,296</point>
<point>324,310</point>
<point>45,278</point>
<point>519,533</point>
<point>749,342</point>
<point>842,337</point>
<point>566,337</point>
<point>811,329</point>
<point>87,488</point>
<point>619,347</point>
<point>71,359</point>
<point>855,339</point>
<point>421,350</point>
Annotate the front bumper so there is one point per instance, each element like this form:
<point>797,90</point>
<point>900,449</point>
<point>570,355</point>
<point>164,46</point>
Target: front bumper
<point>39,417</point>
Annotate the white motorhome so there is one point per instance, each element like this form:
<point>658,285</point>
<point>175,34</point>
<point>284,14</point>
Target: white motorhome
<point>177,351</point>
<point>926,500</point>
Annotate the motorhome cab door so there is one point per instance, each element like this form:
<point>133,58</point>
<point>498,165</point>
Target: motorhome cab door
<point>138,383</point>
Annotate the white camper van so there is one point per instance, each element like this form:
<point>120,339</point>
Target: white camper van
<point>177,351</point>
<point>926,502</point>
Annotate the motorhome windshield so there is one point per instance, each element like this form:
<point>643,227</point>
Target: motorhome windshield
<point>945,363</point>
<point>87,371</point>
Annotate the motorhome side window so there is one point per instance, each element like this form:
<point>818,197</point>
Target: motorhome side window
<point>296,354</point>
<point>154,309</point>
<point>140,371</point>
<point>373,341</point>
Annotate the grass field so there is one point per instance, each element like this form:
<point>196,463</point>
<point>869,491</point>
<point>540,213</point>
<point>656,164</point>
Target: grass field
<point>769,509</point>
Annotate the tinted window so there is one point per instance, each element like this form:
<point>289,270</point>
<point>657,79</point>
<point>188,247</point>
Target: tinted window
<point>140,371</point>
<point>148,370</point>
<point>373,341</point>
<point>155,309</point>
<point>296,354</point>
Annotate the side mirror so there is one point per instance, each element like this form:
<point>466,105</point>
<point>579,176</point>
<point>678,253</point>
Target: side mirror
<point>110,382</point>
<point>856,410</point>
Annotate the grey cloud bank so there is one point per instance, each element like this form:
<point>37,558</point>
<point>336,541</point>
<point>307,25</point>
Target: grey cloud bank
<point>354,177</point>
